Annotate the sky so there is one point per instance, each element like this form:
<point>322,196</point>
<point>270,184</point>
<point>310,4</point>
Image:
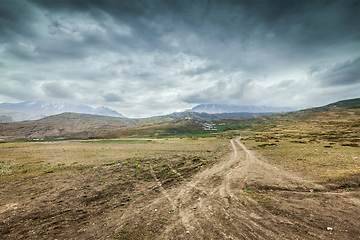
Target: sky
<point>154,57</point>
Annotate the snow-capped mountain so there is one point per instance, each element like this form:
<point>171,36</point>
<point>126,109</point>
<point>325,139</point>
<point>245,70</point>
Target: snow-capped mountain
<point>223,108</point>
<point>36,110</point>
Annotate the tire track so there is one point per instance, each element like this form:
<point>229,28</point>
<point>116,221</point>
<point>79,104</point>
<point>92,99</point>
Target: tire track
<point>162,189</point>
<point>215,199</point>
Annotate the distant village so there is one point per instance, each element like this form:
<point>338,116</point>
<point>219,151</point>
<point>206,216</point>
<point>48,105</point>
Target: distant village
<point>209,126</point>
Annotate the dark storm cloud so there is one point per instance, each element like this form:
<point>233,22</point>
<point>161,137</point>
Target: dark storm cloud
<point>15,18</point>
<point>343,73</point>
<point>307,24</point>
<point>173,54</point>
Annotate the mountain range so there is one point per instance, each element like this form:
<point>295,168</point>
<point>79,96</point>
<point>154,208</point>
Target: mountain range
<point>223,108</point>
<point>37,110</point>
<point>14,112</point>
<point>81,126</point>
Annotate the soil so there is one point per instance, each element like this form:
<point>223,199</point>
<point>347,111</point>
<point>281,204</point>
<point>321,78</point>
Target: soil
<point>240,197</point>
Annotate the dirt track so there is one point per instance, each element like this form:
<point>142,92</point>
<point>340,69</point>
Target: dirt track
<point>245,198</point>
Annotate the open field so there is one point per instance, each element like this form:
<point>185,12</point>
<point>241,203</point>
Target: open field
<point>57,189</point>
<point>138,188</point>
<point>26,158</point>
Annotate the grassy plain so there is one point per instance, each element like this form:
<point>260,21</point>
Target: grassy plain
<point>323,145</point>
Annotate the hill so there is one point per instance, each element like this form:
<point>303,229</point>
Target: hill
<point>175,123</point>
<point>163,128</point>
<point>210,117</point>
<point>344,104</point>
<point>75,125</point>
<point>66,125</point>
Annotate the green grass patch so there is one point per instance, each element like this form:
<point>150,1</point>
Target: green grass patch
<point>49,170</point>
<point>249,189</point>
<point>119,141</point>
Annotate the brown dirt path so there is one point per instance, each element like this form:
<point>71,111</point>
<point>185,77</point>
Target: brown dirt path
<point>244,198</point>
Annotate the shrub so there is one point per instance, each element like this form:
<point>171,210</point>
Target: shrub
<point>49,170</point>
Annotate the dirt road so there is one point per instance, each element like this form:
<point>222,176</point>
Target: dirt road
<point>244,198</point>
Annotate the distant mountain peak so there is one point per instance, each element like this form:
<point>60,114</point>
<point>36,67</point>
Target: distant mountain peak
<point>228,108</point>
<point>33,110</point>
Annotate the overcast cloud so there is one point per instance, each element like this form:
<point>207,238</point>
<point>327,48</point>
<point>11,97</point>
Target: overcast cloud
<point>145,58</point>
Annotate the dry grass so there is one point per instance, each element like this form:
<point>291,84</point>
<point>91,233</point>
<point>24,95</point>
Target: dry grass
<point>31,158</point>
<point>324,145</point>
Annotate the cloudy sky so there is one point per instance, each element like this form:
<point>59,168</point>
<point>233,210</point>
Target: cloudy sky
<point>145,58</point>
